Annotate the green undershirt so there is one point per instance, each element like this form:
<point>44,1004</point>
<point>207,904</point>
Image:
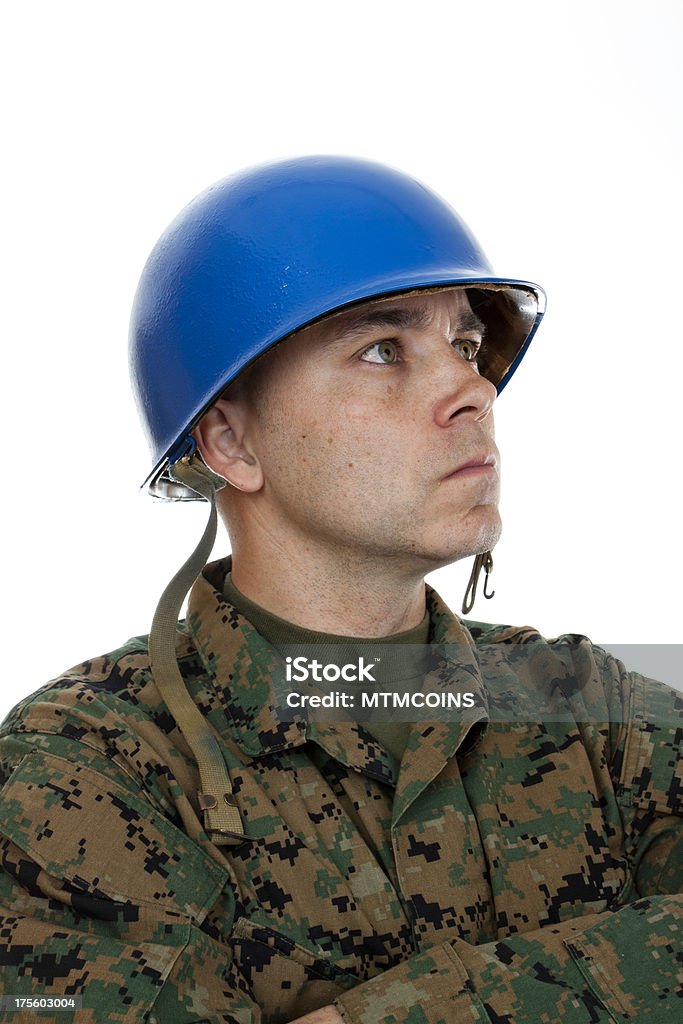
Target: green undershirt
<point>280,633</point>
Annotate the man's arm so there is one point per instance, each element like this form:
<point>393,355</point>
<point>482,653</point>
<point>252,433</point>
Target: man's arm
<point>103,898</point>
<point>620,965</point>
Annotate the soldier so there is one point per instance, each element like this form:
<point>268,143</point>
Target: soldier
<point>316,349</point>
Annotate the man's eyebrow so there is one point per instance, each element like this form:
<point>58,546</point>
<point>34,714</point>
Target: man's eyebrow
<point>398,319</point>
<point>368,320</point>
<point>470,322</point>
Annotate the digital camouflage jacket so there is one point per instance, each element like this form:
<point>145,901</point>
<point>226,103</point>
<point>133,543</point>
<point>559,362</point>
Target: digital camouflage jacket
<point>507,871</point>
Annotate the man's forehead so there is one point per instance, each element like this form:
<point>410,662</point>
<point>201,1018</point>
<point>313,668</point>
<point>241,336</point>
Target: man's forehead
<point>417,309</point>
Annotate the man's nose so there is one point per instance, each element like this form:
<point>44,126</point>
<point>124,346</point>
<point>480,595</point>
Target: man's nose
<point>461,392</point>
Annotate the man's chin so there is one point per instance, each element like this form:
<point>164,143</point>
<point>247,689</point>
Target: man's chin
<point>448,550</point>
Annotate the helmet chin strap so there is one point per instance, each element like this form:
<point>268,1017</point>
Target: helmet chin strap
<point>482,561</point>
<point>222,820</point>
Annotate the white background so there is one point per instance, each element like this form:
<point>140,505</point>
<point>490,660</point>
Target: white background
<point>554,129</point>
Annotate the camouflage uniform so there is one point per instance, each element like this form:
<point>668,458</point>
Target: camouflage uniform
<point>504,873</point>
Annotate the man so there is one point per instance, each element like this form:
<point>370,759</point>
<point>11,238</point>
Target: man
<point>316,347</point>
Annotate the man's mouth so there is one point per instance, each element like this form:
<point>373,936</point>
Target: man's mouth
<point>484,463</point>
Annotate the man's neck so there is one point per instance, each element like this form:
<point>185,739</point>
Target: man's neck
<point>327,595</point>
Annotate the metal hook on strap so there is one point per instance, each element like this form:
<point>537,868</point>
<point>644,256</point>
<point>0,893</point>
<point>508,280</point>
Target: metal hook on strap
<point>482,561</point>
<point>222,820</point>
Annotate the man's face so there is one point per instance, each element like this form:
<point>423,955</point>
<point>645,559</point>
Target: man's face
<point>375,433</point>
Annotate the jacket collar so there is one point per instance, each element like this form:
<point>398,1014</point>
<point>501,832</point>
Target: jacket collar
<point>239,664</point>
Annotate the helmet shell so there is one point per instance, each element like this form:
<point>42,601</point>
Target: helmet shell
<point>269,250</point>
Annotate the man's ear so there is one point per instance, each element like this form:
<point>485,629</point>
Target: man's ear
<point>220,437</point>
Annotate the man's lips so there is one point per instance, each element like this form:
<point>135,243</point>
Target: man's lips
<point>484,463</point>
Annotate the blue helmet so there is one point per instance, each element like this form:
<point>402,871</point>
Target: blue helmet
<point>274,248</point>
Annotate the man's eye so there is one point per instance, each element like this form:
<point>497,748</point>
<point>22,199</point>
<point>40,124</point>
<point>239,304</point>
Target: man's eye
<point>468,349</point>
<point>381,352</point>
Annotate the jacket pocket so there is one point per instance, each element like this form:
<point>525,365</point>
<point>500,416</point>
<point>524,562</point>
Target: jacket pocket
<point>284,978</point>
<point>105,843</point>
